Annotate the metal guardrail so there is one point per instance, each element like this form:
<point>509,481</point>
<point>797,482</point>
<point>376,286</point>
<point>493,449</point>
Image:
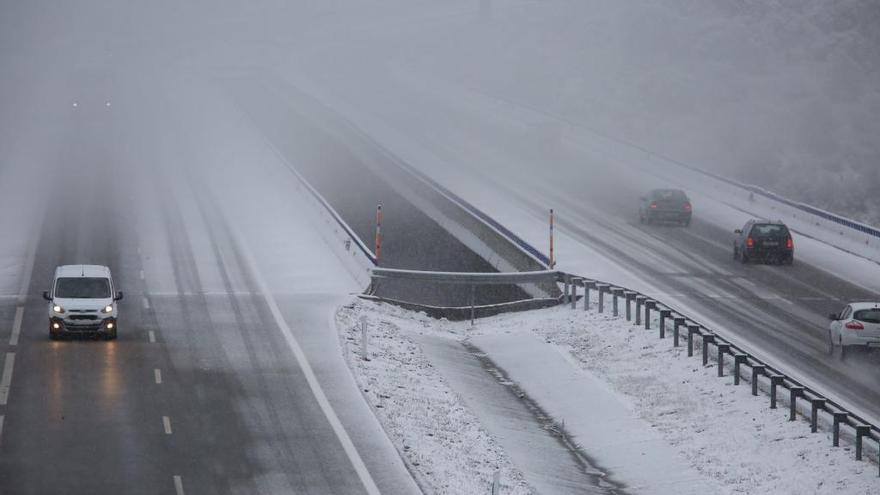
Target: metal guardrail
<point>692,330</point>
<point>826,215</point>
<point>472,280</point>
<point>339,221</point>
<point>468,278</point>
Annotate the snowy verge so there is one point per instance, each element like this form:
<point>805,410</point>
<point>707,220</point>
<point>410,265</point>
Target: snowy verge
<point>732,439</point>
<point>439,438</point>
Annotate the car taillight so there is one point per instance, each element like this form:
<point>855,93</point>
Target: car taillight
<point>854,325</point>
<point>653,205</point>
<point>750,243</point>
<point>687,207</point>
<point>789,244</point>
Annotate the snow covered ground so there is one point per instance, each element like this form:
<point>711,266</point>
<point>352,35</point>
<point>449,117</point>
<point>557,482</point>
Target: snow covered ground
<point>732,440</point>
<point>441,440</point>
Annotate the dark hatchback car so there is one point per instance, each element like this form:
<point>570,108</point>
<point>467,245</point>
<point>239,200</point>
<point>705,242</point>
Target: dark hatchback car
<point>769,242</point>
<point>665,205</point>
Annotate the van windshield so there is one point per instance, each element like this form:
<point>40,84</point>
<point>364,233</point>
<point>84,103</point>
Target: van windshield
<point>82,288</point>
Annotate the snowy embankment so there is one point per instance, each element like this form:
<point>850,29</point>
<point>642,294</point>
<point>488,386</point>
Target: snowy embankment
<point>732,440</point>
<point>441,441</point>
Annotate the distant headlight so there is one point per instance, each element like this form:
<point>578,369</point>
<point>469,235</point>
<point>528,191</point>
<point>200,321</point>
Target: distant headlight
<point>58,309</point>
<point>107,309</point>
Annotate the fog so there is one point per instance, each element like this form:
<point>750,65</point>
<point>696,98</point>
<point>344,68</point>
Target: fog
<point>782,93</point>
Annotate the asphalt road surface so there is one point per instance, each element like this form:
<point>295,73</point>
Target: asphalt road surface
<point>202,392</point>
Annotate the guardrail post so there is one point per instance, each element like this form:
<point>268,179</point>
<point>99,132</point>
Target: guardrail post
<point>692,329</point>
<point>722,349</point>
<point>629,297</point>
<point>794,392</point>
<point>757,370</point>
<point>574,292</point>
<point>815,406</point>
<point>566,280</point>
<point>664,313</point>
<point>640,300</point>
<point>707,339</point>
<point>649,305</point>
<point>861,432</point>
<point>677,322</point>
<point>775,381</point>
<point>601,289</point>
<point>839,417</point>
<point>615,294</point>
<point>473,302</point>
<point>587,295</point>
<point>738,360</point>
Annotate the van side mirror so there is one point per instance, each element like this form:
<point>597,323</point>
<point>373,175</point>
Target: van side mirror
<point>833,317</point>
<point>46,295</point>
<point>738,231</point>
<point>118,296</point>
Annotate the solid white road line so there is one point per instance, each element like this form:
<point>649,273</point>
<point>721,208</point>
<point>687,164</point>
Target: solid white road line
<point>16,325</point>
<point>6,380</point>
<point>178,484</point>
<point>146,303</point>
<point>166,422</point>
<point>1,429</point>
<point>152,337</point>
<point>347,445</point>
<point>157,374</point>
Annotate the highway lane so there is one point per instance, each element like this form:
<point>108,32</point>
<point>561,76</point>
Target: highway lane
<point>780,311</point>
<point>201,393</point>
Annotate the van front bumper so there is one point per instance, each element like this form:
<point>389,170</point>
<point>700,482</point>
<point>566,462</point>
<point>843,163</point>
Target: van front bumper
<point>61,325</point>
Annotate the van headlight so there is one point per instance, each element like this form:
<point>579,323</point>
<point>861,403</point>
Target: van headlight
<point>57,308</point>
<point>107,309</point>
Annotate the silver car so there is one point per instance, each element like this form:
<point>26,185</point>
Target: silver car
<point>858,325</point>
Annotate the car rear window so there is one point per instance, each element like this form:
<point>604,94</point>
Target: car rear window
<point>669,195</point>
<point>868,315</point>
<point>82,288</point>
<point>769,230</point>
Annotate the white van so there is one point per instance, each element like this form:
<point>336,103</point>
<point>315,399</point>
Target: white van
<point>82,301</point>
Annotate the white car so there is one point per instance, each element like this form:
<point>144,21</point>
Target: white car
<point>82,301</point>
<point>857,325</point>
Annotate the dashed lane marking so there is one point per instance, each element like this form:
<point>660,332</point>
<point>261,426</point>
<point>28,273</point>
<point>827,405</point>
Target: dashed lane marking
<point>166,422</point>
<point>142,274</point>
<point>16,326</point>
<point>6,380</point>
<point>157,374</point>
<point>152,337</point>
<point>178,484</point>
<point>146,303</point>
